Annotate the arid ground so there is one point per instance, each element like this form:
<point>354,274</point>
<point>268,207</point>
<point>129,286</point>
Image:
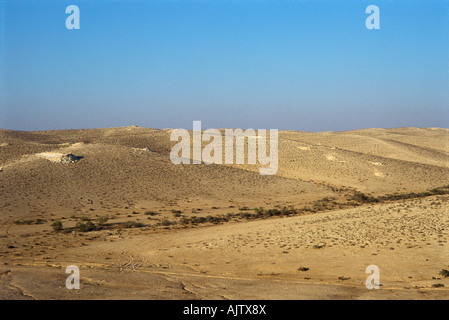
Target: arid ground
<point>140,227</point>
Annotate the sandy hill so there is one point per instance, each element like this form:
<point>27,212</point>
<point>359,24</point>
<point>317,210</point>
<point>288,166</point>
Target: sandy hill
<point>126,174</point>
<point>124,166</point>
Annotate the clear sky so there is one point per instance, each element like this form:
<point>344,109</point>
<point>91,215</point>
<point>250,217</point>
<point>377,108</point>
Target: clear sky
<point>285,64</point>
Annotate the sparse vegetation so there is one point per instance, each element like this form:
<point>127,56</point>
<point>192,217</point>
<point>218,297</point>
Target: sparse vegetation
<point>356,199</point>
<point>184,220</point>
<point>131,224</point>
<point>85,227</point>
<point>57,225</point>
<point>444,273</point>
<point>165,222</point>
<point>412,195</point>
<point>29,222</point>
<point>360,198</point>
<point>208,219</point>
<point>324,204</point>
<point>103,220</point>
<point>363,198</point>
<point>245,215</point>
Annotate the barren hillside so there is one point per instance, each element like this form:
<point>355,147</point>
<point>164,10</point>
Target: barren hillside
<point>339,202</point>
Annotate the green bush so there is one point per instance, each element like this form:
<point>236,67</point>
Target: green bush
<point>57,225</point>
<point>85,227</point>
<point>102,220</point>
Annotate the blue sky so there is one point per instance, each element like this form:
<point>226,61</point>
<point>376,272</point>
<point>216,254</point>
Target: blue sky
<point>293,65</point>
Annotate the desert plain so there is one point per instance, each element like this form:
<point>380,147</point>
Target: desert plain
<point>111,202</point>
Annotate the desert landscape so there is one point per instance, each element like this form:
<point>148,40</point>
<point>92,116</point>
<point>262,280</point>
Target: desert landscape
<point>111,202</point>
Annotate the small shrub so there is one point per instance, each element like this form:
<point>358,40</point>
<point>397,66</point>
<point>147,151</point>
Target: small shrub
<point>195,220</point>
<point>245,215</point>
<point>102,220</point>
<point>360,197</point>
<point>85,227</point>
<point>212,219</point>
<point>165,222</point>
<point>224,218</point>
<point>444,273</point>
<point>273,212</point>
<point>57,225</point>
